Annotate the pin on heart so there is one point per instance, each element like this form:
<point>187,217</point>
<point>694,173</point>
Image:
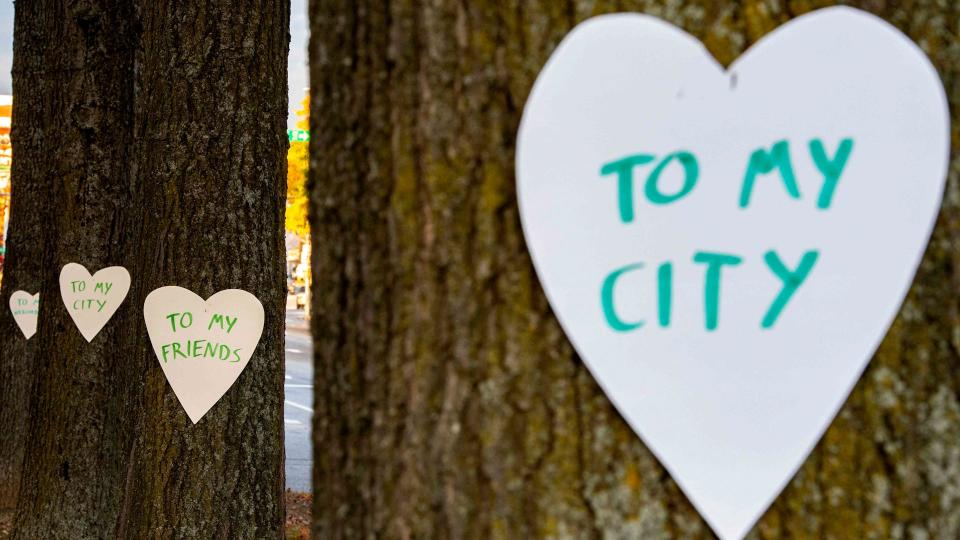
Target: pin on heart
<point>202,345</point>
<point>92,300</point>
<point>25,308</point>
<point>726,248</point>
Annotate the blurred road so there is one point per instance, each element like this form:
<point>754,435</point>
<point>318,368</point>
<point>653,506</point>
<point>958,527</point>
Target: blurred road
<point>298,401</point>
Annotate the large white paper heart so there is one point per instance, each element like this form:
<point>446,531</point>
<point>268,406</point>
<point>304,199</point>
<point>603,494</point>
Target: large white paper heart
<point>202,346</point>
<point>25,308</point>
<point>92,300</point>
<point>726,249</point>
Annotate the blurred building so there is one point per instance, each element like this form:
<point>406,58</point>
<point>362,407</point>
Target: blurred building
<point>6,160</point>
<point>298,272</point>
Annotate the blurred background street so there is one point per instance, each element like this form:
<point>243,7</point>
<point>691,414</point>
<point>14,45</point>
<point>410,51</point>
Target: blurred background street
<point>298,400</point>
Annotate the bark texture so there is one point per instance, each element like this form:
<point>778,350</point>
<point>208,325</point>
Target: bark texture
<point>449,403</point>
<point>210,154</point>
<point>77,436</point>
<point>36,69</point>
<point>173,167</point>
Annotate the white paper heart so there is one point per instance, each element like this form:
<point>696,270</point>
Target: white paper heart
<point>726,321</point>
<point>25,308</point>
<point>202,346</point>
<point>92,300</point>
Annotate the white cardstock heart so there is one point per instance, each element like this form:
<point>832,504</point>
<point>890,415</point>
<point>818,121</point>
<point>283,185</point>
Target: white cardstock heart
<point>25,308</point>
<point>202,345</point>
<point>729,322</point>
<point>92,300</point>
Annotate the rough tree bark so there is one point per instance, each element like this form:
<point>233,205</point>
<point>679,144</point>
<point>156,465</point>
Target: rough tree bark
<point>210,153</point>
<point>36,65</point>
<point>448,401</point>
<point>77,436</point>
<point>174,168</point>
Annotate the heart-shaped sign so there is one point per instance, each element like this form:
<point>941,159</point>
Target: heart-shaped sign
<point>202,346</point>
<point>726,249</point>
<point>92,300</point>
<point>25,308</point>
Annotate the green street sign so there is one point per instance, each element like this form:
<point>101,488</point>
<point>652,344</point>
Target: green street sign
<point>298,135</point>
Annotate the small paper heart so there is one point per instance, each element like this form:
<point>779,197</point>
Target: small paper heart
<point>25,308</point>
<point>202,345</point>
<point>92,300</point>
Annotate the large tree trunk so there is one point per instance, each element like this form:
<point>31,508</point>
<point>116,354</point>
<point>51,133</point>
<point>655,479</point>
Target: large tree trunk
<point>78,435</point>
<point>35,63</point>
<point>448,401</point>
<point>211,156</point>
<point>178,174</point>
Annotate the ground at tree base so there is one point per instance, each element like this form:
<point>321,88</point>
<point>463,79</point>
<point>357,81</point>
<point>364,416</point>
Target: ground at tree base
<point>297,526</point>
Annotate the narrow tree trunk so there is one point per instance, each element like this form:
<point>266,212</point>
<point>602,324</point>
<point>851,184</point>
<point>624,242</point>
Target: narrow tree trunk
<point>34,65</point>
<point>448,401</point>
<point>210,151</point>
<point>182,181</point>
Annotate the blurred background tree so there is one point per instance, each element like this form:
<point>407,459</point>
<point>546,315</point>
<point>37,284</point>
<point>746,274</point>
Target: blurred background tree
<point>448,401</point>
<point>298,162</point>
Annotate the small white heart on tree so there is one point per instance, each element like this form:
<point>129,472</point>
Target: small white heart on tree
<point>726,249</point>
<point>92,300</point>
<point>202,345</point>
<point>25,308</point>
